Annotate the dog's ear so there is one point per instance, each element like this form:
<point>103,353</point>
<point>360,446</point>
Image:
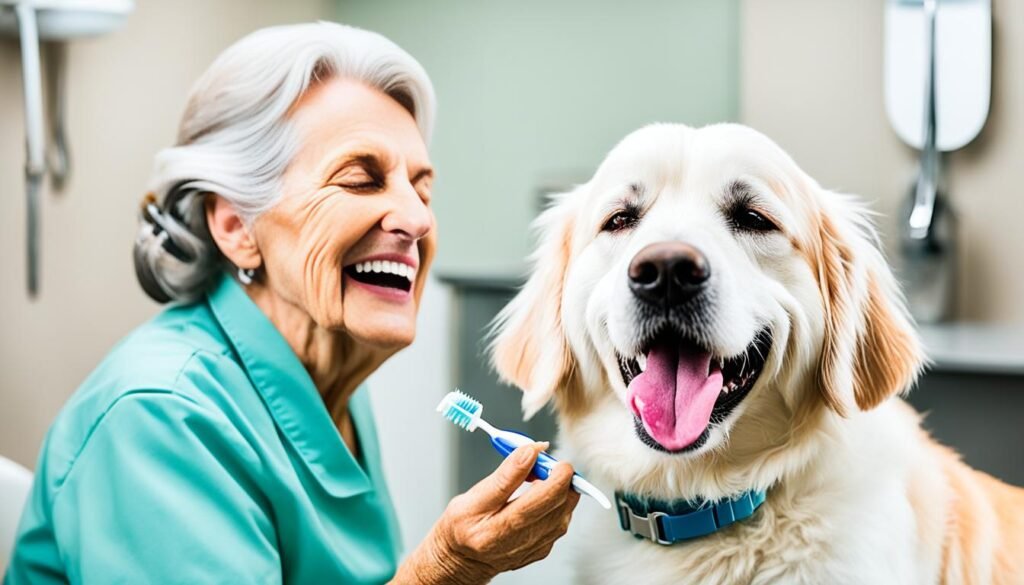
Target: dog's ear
<point>529,347</point>
<point>871,350</point>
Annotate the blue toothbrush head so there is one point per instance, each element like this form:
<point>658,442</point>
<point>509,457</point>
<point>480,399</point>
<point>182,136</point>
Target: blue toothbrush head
<point>461,409</point>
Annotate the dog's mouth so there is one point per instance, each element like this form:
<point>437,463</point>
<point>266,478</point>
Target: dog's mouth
<point>677,389</point>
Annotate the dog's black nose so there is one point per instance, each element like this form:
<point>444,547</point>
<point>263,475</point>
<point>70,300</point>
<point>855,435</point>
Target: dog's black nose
<point>668,273</point>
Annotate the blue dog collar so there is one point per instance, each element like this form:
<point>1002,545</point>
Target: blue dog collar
<point>671,522</point>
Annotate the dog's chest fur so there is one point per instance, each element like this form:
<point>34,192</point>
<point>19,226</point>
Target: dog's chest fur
<point>844,519</point>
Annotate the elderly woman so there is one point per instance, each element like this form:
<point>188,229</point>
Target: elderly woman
<point>229,440</point>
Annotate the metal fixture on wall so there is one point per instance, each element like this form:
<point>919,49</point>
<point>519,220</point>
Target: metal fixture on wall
<point>58,21</point>
<point>938,78</point>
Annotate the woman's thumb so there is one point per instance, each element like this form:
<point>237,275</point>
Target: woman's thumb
<point>513,471</point>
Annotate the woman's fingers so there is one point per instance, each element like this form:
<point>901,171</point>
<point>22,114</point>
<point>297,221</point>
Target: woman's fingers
<point>543,497</point>
<point>482,530</point>
<point>493,491</point>
<point>522,489</point>
<point>557,521</point>
<point>564,514</point>
<point>548,530</point>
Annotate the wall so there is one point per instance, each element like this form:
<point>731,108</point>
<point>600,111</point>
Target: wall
<point>811,78</point>
<point>535,92</point>
<point>126,93</point>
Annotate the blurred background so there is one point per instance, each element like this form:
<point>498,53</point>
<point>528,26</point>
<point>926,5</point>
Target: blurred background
<point>532,94</point>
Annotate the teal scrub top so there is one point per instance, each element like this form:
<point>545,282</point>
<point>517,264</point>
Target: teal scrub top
<point>200,451</point>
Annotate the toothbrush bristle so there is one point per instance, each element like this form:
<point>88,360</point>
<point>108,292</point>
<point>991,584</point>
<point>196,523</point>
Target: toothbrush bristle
<point>459,408</point>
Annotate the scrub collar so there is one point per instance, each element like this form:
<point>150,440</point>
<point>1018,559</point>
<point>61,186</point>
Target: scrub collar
<point>290,395</point>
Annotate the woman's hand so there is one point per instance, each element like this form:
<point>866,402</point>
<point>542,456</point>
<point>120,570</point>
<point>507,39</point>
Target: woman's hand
<point>482,534</point>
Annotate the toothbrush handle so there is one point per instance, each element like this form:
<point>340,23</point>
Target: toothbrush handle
<point>508,443</point>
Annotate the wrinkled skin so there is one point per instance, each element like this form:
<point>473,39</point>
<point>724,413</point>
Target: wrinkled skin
<point>481,534</point>
<point>358,188</point>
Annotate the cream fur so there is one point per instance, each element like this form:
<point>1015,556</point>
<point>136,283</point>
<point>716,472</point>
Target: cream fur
<point>857,493</point>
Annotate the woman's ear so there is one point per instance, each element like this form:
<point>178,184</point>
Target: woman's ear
<point>871,350</point>
<point>230,233</point>
<point>530,349</point>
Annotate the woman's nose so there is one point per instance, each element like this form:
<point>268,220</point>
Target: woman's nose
<point>411,218</point>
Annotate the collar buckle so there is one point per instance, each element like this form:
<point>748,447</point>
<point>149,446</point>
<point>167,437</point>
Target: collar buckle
<point>642,526</point>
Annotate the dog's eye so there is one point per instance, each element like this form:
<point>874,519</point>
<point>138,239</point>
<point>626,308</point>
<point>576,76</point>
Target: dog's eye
<point>622,220</point>
<point>749,220</point>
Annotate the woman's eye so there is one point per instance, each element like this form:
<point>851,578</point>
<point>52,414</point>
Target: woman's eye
<point>356,179</point>
<point>363,186</point>
<point>360,183</point>
<point>749,220</point>
<point>622,220</point>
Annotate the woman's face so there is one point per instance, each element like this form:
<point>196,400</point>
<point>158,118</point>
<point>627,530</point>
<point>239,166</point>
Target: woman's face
<point>353,235</point>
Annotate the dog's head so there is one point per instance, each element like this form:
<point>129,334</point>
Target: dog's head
<point>697,300</point>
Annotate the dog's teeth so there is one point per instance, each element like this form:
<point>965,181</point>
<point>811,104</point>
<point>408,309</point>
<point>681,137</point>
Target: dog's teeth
<point>641,360</point>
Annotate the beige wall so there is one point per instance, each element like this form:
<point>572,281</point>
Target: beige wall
<point>127,91</point>
<point>811,78</point>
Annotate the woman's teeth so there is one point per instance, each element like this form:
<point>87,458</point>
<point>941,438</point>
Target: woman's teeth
<point>387,267</point>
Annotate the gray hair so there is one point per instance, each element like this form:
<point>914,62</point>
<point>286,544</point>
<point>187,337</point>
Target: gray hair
<point>236,139</point>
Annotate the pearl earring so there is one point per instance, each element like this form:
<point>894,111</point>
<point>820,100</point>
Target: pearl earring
<point>245,275</point>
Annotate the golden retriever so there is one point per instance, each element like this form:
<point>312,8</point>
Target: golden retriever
<point>708,320</point>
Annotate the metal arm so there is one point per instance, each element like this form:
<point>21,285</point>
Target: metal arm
<point>35,162</point>
<point>923,212</point>
<point>59,157</point>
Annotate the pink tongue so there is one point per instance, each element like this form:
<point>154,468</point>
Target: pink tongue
<point>674,396</point>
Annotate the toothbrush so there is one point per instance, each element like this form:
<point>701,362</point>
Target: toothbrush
<point>467,413</point>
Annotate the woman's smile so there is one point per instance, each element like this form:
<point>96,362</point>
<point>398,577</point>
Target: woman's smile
<point>389,276</point>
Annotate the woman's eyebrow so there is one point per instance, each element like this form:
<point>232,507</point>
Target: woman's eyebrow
<point>424,173</point>
<point>372,161</point>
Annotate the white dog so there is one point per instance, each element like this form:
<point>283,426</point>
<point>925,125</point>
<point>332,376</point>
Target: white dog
<point>715,327</point>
